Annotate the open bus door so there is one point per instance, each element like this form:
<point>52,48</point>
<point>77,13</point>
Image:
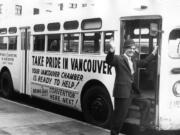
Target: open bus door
<point>139,28</point>
<point>25,47</point>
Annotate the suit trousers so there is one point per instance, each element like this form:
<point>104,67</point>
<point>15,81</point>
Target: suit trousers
<point>121,106</point>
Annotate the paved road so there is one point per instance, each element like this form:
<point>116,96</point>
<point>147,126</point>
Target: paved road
<point>18,119</point>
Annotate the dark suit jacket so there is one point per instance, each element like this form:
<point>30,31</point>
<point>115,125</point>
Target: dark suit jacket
<point>124,79</point>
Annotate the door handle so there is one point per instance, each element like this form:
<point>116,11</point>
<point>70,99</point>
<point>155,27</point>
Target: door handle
<point>175,71</point>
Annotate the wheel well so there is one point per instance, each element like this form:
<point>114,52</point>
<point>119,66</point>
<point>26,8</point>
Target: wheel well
<point>89,84</point>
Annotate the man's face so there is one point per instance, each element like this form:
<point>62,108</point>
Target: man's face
<point>130,51</point>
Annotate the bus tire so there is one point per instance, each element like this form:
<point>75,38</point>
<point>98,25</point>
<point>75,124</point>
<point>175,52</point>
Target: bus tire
<point>97,106</point>
<point>6,85</point>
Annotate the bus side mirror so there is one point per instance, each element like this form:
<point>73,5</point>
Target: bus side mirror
<point>153,29</point>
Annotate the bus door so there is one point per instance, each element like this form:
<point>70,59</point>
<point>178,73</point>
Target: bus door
<point>25,47</point>
<point>146,32</point>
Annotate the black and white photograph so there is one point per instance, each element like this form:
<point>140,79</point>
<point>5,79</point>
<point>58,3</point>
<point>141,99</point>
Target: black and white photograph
<point>89,67</point>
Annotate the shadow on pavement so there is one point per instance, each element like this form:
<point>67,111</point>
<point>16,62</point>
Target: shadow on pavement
<point>129,129</point>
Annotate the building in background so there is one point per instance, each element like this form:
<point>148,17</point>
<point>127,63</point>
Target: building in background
<point>11,8</point>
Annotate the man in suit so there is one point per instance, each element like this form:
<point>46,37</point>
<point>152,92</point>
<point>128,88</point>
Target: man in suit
<point>125,67</point>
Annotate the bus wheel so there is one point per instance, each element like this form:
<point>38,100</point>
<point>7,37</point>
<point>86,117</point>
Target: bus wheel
<point>6,85</point>
<point>97,106</point>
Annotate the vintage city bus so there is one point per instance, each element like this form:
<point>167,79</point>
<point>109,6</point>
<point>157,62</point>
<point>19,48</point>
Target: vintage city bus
<point>61,58</point>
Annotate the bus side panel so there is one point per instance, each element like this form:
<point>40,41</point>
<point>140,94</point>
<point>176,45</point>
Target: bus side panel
<point>169,101</point>
<point>10,59</point>
<point>63,83</point>
<point>15,69</point>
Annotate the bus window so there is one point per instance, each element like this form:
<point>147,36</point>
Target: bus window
<point>107,37</point>
<point>3,31</point>
<point>92,23</point>
<point>3,43</point>
<point>53,42</point>
<point>174,44</point>
<point>71,42</point>
<point>142,44</point>
<point>12,43</point>
<point>142,31</point>
<point>53,26</point>
<point>39,27</point>
<point>39,42</point>
<point>91,42</point>
<point>142,40</point>
<point>12,30</point>
<point>70,25</point>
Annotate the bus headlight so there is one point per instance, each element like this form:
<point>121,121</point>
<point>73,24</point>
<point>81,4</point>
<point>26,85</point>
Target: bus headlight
<point>176,89</point>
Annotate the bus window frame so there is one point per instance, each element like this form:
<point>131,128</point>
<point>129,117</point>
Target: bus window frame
<point>45,43</point>
<point>100,44</point>
<point>104,33</point>
<point>79,43</point>
<point>16,43</point>
<point>5,36</point>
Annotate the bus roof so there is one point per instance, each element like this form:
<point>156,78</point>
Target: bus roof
<point>110,14</point>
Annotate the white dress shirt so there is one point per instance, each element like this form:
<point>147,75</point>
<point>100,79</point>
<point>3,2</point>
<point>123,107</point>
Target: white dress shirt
<point>130,63</point>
